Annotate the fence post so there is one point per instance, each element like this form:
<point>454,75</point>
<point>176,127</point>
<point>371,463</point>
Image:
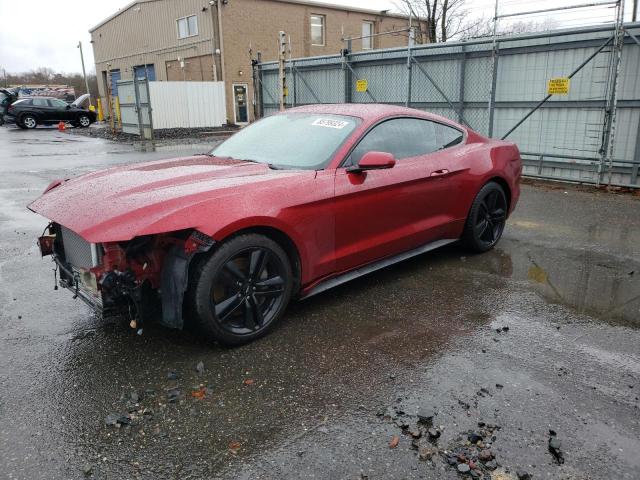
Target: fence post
<point>294,83</point>
<point>282,93</point>
<point>409,67</point>
<point>494,78</point>
<point>613,100</point>
<point>136,90</point>
<point>494,61</point>
<point>348,76</point>
<point>149,107</point>
<point>260,102</point>
<point>463,67</point>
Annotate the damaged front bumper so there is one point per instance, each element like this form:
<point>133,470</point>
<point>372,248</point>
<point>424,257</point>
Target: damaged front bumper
<point>146,277</point>
<point>71,280</point>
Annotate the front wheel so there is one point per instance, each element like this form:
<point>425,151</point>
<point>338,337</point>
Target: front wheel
<point>83,121</point>
<point>239,292</point>
<point>487,218</point>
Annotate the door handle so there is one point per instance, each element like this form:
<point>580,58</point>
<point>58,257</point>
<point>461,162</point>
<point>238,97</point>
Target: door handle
<point>439,173</point>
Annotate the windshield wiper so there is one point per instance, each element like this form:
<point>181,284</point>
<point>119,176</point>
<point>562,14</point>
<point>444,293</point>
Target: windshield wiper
<point>270,165</point>
<point>248,160</point>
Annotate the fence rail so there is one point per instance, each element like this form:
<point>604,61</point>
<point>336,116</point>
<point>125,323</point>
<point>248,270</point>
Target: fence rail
<point>564,137</point>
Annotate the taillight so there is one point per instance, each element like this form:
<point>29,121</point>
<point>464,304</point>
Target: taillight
<point>10,108</point>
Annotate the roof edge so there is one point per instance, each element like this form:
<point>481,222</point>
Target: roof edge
<point>309,3</point>
<point>119,12</point>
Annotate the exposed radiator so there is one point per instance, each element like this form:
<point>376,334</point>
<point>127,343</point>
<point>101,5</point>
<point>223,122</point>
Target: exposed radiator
<point>77,251</point>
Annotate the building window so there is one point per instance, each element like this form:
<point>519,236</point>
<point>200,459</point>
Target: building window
<point>187,26</point>
<point>367,39</point>
<point>317,30</point>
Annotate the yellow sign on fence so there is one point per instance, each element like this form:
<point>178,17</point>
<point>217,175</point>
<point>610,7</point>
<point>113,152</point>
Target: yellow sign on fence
<point>558,86</point>
<point>362,85</point>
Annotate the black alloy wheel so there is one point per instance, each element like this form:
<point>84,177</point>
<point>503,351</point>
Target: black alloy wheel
<point>248,290</point>
<point>240,291</point>
<point>487,218</point>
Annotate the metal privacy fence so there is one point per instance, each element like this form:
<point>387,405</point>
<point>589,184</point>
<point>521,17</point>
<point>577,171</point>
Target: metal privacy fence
<point>564,137</point>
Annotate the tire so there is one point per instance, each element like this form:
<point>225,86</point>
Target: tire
<point>237,293</point>
<point>486,220</point>
<point>83,121</point>
<point>20,125</point>
<point>28,121</point>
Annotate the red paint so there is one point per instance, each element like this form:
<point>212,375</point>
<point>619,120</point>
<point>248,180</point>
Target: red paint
<point>337,219</point>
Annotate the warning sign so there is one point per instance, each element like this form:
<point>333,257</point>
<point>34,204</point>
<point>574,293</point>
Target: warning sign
<point>558,86</point>
<point>362,85</point>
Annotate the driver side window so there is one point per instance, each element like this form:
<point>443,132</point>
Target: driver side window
<point>402,137</point>
<point>54,102</point>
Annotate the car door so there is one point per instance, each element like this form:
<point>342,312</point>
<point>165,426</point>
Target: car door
<point>60,110</point>
<point>42,108</point>
<point>384,212</point>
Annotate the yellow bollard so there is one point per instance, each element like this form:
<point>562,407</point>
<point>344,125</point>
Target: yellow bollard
<point>100,112</point>
<point>119,118</point>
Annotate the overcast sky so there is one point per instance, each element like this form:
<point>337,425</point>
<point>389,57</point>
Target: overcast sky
<point>47,32</point>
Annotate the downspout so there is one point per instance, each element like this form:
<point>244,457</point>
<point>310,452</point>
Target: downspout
<point>214,40</point>
<point>221,41</point>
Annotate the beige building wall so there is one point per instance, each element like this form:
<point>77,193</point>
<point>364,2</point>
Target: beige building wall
<point>146,33</point>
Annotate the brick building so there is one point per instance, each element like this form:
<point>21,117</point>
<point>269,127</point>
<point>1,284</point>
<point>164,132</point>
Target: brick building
<point>203,40</point>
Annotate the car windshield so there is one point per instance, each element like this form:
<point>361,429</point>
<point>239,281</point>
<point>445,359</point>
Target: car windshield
<point>290,140</point>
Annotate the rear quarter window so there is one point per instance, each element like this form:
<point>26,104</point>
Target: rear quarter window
<point>447,136</point>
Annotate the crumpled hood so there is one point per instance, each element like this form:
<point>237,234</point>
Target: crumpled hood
<point>123,202</point>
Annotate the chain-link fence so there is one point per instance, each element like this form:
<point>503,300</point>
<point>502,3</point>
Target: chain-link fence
<point>499,90</point>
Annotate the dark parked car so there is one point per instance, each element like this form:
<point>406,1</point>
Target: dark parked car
<point>7,97</point>
<point>31,112</point>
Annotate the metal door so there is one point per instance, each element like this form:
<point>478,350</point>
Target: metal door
<point>115,76</point>
<point>240,105</point>
<point>145,71</point>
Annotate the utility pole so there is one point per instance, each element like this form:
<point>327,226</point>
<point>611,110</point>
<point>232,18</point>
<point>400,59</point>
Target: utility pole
<point>282,49</point>
<point>634,13</point>
<point>84,74</point>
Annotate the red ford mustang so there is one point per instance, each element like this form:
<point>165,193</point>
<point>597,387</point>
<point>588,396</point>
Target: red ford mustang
<point>292,205</point>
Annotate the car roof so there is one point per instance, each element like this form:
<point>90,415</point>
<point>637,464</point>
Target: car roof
<point>370,111</point>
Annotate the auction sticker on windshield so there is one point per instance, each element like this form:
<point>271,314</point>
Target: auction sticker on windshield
<point>330,123</point>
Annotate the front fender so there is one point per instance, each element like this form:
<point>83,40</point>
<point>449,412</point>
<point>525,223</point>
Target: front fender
<point>254,222</point>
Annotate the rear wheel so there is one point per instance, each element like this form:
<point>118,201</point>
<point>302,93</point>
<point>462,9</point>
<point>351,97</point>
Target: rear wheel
<point>239,292</point>
<point>487,218</point>
<point>28,121</point>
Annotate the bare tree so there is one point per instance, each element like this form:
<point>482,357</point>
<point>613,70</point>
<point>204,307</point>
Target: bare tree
<point>445,19</point>
<point>485,28</point>
<point>47,76</point>
<point>450,19</point>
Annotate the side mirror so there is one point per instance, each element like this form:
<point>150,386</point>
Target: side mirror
<point>374,161</point>
<point>68,106</point>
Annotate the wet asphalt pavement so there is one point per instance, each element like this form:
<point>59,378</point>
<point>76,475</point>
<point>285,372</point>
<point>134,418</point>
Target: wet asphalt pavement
<point>327,393</point>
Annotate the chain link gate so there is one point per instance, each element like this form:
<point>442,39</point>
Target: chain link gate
<point>135,107</point>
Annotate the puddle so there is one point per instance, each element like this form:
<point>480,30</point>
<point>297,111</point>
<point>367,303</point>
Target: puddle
<point>589,282</point>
